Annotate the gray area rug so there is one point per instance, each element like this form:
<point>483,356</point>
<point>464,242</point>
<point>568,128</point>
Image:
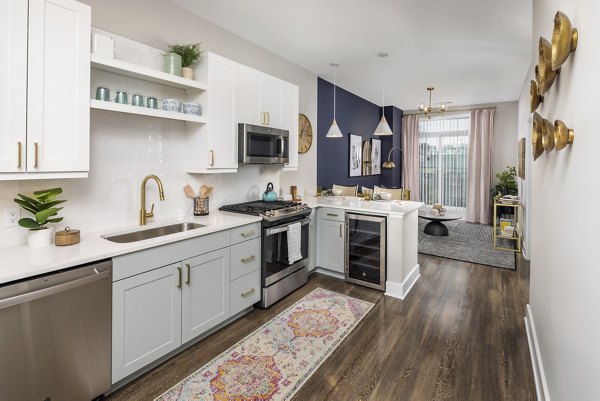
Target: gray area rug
<point>467,242</point>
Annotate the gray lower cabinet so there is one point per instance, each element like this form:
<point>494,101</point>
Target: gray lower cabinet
<point>205,295</point>
<point>331,237</point>
<point>166,296</point>
<point>146,319</point>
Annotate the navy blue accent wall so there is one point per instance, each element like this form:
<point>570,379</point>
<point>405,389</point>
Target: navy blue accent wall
<point>357,116</point>
<point>391,178</point>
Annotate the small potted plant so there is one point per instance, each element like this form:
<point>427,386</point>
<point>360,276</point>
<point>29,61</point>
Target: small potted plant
<point>42,204</point>
<point>507,184</point>
<point>190,54</point>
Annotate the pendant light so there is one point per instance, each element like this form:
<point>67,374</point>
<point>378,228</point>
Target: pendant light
<point>383,128</point>
<point>334,130</point>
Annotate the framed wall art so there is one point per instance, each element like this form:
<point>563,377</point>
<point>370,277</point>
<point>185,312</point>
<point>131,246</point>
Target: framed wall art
<point>355,159</point>
<point>375,156</point>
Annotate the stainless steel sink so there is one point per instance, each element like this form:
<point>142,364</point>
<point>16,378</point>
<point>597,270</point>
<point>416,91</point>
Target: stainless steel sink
<point>154,232</point>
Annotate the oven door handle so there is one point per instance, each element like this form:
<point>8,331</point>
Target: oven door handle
<point>281,229</point>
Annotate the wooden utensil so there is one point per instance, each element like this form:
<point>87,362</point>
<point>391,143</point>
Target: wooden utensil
<point>208,192</point>
<point>189,191</point>
<point>203,190</point>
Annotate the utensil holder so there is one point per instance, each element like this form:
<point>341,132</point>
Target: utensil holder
<point>200,206</point>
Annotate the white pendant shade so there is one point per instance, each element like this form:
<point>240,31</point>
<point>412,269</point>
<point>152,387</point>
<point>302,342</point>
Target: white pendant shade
<point>334,131</point>
<point>383,129</point>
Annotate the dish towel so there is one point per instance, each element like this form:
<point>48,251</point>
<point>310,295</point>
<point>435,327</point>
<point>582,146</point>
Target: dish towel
<point>294,239</point>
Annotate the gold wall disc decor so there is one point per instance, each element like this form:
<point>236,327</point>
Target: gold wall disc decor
<point>563,135</point>
<point>547,135</point>
<point>535,99</point>
<point>544,73</point>
<point>564,40</point>
<point>536,136</point>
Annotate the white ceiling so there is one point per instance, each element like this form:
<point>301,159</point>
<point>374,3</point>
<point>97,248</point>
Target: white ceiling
<point>471,51</point>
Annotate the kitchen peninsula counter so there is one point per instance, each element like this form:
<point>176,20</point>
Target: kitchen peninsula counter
<point>402,235</point>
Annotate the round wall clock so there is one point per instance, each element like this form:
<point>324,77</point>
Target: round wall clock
<point>305,134</point>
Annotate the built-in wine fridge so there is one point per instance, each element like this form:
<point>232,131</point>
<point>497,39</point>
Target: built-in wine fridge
<point>365,250</point>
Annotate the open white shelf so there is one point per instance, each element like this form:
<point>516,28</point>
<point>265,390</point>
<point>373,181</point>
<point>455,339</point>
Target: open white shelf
<point>144,73</point>
<point>143,111</point>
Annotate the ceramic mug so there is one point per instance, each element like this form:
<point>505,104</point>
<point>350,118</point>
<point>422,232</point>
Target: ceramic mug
<point>122,96</point>
<point>137,100</point>
<point>103,93</point>
<point>152,102</point>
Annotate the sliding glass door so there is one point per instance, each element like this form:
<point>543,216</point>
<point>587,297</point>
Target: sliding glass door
<point>443,145</point>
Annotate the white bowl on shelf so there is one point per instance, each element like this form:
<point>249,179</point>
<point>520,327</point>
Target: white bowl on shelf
<point>385,195</point>
<point>336,192</point>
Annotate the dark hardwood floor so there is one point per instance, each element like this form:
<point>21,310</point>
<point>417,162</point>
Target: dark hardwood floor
<point>459,335</point>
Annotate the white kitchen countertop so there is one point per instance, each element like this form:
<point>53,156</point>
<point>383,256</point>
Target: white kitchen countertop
<point>354,203</point>
<point>19,262</point>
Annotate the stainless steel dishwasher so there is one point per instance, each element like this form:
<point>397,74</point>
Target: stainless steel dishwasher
<point>55,335</point>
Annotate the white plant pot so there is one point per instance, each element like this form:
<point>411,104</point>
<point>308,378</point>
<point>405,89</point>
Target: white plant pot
<point>187,72</point>
<point>40,238</point>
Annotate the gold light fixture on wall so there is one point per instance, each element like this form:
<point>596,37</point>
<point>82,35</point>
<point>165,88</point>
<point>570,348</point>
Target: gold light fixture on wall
<point>564,40</point>
<point>383,128</point>
<point>390,163</point>
<point>334,130</point>
<point>428,111</point>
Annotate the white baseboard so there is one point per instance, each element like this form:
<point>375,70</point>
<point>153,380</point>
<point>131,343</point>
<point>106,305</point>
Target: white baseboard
<point>401,290</point>
<point>541,385</point>
<point>330,273</point>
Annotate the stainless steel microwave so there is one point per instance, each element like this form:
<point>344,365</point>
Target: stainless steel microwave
<point>262,145</point>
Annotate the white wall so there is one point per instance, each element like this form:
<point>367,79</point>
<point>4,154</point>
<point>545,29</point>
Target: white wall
<point>565,272</point>
<point>125,148</point>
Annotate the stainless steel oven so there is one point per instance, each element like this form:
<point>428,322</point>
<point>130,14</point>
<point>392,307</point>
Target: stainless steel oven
<point>279,277</point>
<point>262,145</point>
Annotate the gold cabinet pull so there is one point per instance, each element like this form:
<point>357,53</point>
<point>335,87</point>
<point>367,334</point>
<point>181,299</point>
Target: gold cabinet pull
<point>179,274</point>
<point>262,117</point>
<point>189,268</point>
<point>332,214</point>
<point>248,233</point>
<point>19,146</point>
<point>212,157</point>
<point>248,293</point>
<point>341,235</point>
<point>248,259</point>
<point>35,152</point>
<point>268,117</point>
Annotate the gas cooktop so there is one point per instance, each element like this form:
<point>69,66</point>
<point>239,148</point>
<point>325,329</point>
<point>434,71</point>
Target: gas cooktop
<point>268,210</point>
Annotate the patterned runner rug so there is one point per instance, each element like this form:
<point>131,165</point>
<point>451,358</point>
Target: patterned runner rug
<point>275,360</point>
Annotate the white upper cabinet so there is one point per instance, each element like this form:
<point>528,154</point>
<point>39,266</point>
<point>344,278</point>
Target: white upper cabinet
<point>213,147</point>
<point>271,101</point>
<point>261,98</point>
<point>249,100</point>
<point>13,85</point>
<point>55,143</point>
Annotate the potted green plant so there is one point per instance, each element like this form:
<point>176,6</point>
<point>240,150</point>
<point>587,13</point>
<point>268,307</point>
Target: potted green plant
<point>189,53</point>
<point>42,204</point>
<point>507,184</point>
